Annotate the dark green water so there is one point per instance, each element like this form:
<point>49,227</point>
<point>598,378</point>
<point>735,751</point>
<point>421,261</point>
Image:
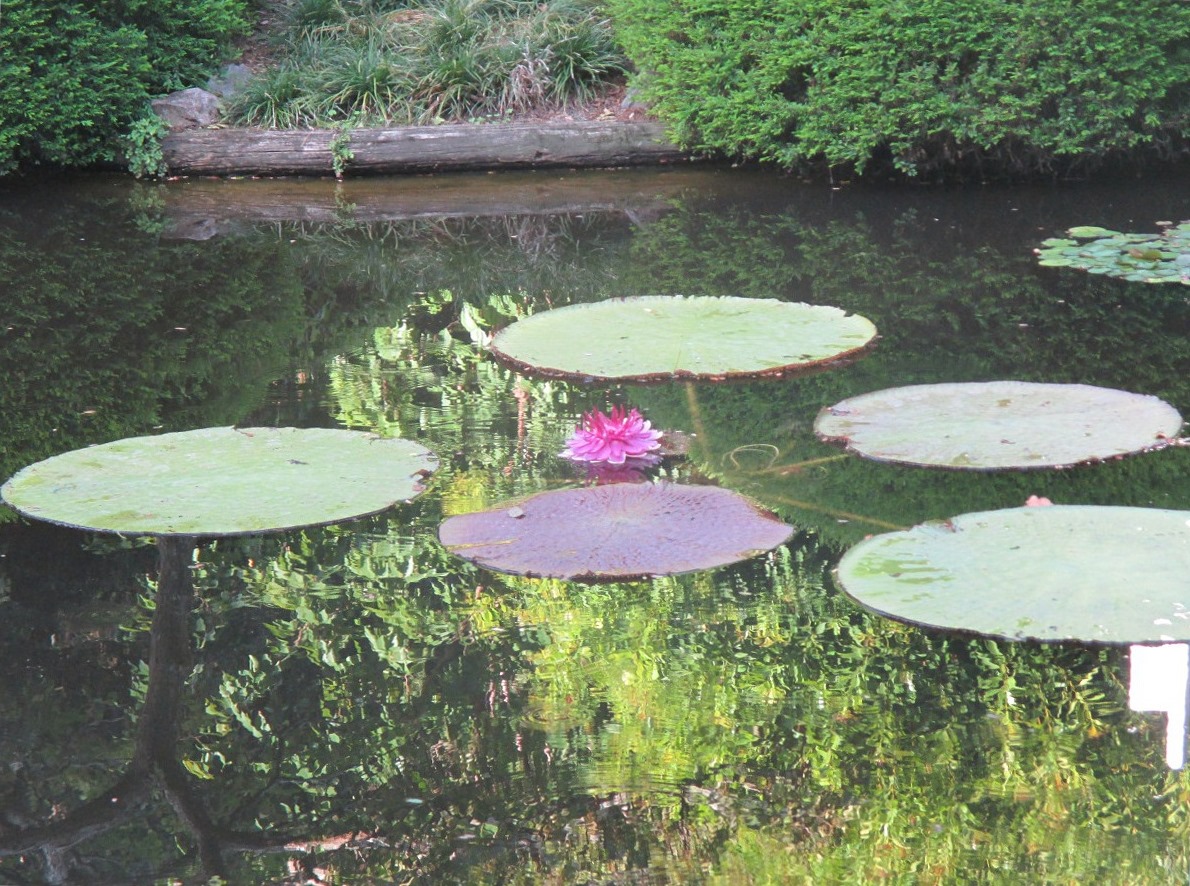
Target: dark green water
<point>366,708</point>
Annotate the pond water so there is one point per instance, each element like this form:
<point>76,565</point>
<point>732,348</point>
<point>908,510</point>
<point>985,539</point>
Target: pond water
<point>366,708</point>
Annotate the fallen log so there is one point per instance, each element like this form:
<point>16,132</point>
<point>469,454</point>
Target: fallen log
<point>465,146</point>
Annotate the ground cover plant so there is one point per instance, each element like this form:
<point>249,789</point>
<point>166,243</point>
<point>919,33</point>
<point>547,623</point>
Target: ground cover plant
<point>369,62</point>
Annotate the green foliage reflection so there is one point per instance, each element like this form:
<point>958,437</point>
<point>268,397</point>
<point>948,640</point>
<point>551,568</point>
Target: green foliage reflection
<point>112,338</point>
<point>678,724</point>
<point>368,707</point>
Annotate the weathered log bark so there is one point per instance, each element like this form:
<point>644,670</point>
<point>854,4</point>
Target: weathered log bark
<point>588,143</point>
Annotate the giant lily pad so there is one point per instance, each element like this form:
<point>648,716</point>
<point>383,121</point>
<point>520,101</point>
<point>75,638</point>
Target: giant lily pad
<point>660,337</point>
<point>617,532</point>
<point>1141,258</point>
<point>998,425</point>
<point>221,481</point>
<point>1064,572</point>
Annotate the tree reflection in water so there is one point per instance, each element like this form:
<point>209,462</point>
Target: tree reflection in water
<point>364,708</point>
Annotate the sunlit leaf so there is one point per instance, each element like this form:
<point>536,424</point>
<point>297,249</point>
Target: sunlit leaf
<point>660,337</point>
<point>998,425</point>
<point>1066,572</point>
<point>615,532</point>
<point>1091,231</point>
<point>222,481</point>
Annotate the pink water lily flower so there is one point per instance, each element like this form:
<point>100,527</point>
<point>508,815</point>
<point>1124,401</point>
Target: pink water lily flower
<point>612,438</point>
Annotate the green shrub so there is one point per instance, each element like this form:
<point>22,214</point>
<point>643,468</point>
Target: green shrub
<point>1023,86</point>
<point>74,76</point>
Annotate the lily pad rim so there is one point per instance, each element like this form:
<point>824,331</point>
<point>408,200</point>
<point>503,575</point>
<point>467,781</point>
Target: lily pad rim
<point>238,533</point>
<point>793,370</point>
<point>845,442</point>
<point>973,633</point>
<point>431,458</point>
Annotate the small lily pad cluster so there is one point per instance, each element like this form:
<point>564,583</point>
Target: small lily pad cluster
<point>1141,258</point>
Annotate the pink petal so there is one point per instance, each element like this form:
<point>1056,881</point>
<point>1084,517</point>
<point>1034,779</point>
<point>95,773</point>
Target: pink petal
<point>612,438</point>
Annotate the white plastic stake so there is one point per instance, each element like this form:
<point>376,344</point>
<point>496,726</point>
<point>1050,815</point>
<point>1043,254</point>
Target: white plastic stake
<point>1157,681</point>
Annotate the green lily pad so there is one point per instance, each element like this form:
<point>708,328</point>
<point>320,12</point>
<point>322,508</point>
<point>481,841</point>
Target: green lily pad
<point>1062,572</point>
<point>998,425</point>
<point>222,481</point>
<point>1142,258</point>
<point>615,532</point>
<point>1091,231</point>
<point>649,338</point>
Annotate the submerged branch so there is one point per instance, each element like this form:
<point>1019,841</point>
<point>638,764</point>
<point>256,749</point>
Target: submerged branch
<point>831,512</point>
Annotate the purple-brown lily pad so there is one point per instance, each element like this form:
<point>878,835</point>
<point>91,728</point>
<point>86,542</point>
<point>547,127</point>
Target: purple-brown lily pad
<point>617,532</point>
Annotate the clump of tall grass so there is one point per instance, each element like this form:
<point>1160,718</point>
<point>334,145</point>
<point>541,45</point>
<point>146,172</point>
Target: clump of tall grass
<point>377,62</point>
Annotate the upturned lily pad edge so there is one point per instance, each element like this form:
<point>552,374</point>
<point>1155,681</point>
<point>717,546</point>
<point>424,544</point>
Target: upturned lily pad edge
<point>956,631</point>
<point>841,440</point>
<point>606,578</point>
<point>237,533</point>
<point>970,633</point>
<point>844,442</point>
<point>790,370</point>
<point>429,457</point>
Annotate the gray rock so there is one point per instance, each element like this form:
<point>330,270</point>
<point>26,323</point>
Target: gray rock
<point>231,81</point>
<point>192,229</point>
<point>632,102</point>
<point>188,108</point>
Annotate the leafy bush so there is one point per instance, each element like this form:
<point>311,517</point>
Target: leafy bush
<point>74,75</point>
<point>142,146</point>
<point>1023,86</point>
